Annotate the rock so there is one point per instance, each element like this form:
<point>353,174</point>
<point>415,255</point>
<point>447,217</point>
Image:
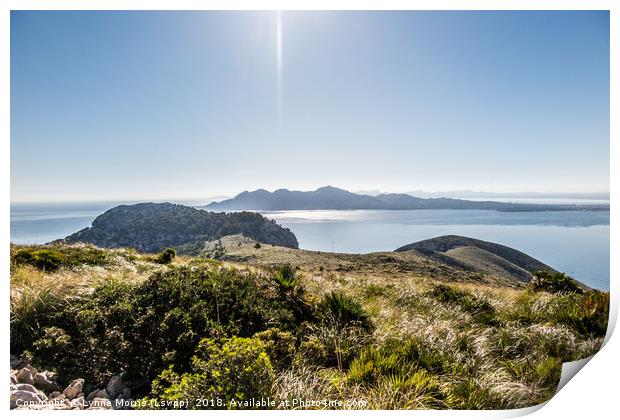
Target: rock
<point>97,393</point>
<point>13,379</point>
<point>31,369</point>
<point>21,398</point>
<point>42,381</point>
<point>115,387</point>
<point>25,387</point>
<point>126,394</point>
<point>56,394</point>
<point>100,404</point>
<point>74,389</point>
<point>24,376</point>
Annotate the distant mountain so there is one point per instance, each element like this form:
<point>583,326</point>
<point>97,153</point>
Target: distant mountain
<point>479,256</point>
<point>332,198</point>
<point>151,227</point>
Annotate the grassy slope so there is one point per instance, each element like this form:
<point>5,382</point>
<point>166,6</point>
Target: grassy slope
<point>510,362</point>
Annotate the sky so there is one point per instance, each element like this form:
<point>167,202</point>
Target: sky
<point>167,105</point>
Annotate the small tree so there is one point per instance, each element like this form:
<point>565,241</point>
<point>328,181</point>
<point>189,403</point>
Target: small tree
<point>257,245</point>
<point>166,256</point>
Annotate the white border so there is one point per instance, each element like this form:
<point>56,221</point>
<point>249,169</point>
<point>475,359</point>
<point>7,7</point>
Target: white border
<point>591,395</point>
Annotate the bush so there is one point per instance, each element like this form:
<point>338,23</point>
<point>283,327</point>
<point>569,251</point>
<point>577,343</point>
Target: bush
<point>344,328</point>
<point>286,277</point>
<point>343,311</point>
<point>554,283</point>
<point>257,245</point>
<point>43,259</point>
<point>165,318</point>
<point>235,368</point>
<point>280,346</point>
<point>166,256</point>
<point>51,259</point>
<point>587,313</point>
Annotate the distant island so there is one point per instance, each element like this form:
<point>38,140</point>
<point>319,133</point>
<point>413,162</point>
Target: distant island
<point>332,198</point>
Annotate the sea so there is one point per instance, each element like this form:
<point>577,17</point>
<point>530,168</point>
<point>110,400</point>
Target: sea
<point>574,242</point>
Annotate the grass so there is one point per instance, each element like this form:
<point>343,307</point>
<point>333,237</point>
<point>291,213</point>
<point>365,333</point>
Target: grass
<point>349,329</point>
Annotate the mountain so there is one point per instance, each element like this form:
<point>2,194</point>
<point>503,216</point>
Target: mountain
<point>479,256</point>
<point>151,227</point>
<point>332,198</point>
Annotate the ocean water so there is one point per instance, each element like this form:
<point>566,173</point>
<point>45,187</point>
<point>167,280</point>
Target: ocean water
<point>574,242</point>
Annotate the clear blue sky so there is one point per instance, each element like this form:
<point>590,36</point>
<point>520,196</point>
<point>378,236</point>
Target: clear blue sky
<point>132,105</point>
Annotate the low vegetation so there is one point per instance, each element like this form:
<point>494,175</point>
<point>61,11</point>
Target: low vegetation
<point>194,328</point>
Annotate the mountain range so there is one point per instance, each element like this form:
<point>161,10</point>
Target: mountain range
<point>332,198</point>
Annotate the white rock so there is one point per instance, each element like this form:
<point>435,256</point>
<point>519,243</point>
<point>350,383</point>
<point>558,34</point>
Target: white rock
<point>74,389</point>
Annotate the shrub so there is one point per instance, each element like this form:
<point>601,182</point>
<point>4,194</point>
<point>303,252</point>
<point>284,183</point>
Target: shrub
<point>344,328</point>
<point>587,313</point>
<point>554,283</point>
<point>342,310</point>
<point>235,368</point>
<point>280,346</point>
<point>166,256</point>
<point>164,317</point>
<point>51,259</point>
<point>43,259</point>
<point>286,277</point>
<point>257,245</point>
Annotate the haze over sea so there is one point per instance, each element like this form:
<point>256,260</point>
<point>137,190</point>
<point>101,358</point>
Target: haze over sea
<point>574,242</point>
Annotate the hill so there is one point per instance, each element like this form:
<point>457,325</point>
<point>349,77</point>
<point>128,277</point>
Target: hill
<point>151,227</point>
<point>479,256</point>
<point>332,198</point>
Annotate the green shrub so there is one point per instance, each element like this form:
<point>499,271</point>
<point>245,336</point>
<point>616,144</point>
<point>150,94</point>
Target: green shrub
<point>257,245</point>
<point>280,346</point>
<point>164,317</point>
<point>235,368</point>
<point>342,310</point>
<point>51,259</point>
<point>166,256</point>
<point>286,277</point>
<point>587,313</point>
<point>554,283</point>
<point>43,259</point>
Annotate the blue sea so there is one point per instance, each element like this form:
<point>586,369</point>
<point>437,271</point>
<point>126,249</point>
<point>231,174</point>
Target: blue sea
<point>573,242</point>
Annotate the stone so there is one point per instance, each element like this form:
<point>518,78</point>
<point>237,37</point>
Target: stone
<point>13,379</point>
<point>25,387</point>
<point>74,388</point>
<point>56,394</point>
<point>42,381</point>
<point>97,393</point>
<point>20,398</point>
<point>31,369</point>
<point>24,376</point>
<point>115,387</point>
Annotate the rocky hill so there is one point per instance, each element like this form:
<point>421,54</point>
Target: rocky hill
<point>479,256</point>
<point>151,227</point>
<point>331,198</point>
